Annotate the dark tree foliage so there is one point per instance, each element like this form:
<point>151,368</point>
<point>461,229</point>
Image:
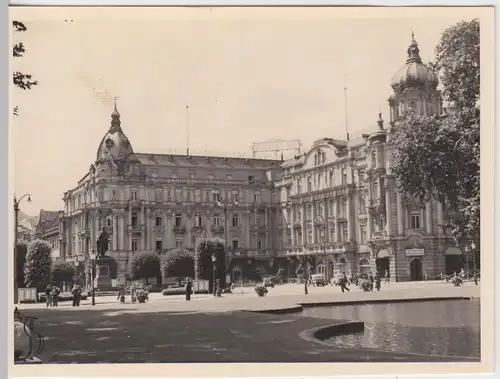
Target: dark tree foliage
<point>203,259</point>
<point>62,271</point>
<point>439,157</point>
<point>37,267</point>
<point>145,265</point>
<point>21,252</point>
<point>178,263</point>
<point>21,80</point>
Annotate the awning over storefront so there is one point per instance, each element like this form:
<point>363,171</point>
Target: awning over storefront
<point>383,253</point>
<point>453,251</point>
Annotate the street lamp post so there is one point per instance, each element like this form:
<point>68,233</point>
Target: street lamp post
<point>92,274</point>
<point>214,261</point>
<point>306,268</point>
<point>321,223</point>
<point>223,203</point>
<point>16,222</point>
<point>473,247</point>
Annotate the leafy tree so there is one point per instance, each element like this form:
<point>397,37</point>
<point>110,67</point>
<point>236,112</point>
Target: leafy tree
<point>178,263</point>
<point>23,81</point>
<point>203,259</point>
<point>62,271</point>
<point>21,252</point>
<point>439,157</point>
<point>145,265</point>
<point>37,267</point>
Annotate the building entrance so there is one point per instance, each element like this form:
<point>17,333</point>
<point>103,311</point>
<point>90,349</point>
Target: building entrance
<point>382,265</point>
<point>416,270</point>
<point>453,263</point>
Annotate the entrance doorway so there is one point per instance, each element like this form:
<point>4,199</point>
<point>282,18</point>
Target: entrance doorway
<point>416,270</point>
<point>382,265</point>
<point>453,263</point>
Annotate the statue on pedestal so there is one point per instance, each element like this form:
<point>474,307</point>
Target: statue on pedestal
<point>102,242</point>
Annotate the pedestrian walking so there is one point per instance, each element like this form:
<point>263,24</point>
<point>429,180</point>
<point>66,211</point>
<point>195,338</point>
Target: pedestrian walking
<point>74,292</point>
<point>55,295</point>
<point>189,288</point>
<point>377,281</point>
<point>387,277</point>
<point>133,290</point>
<point>343,283</point>
<point>371,280</point>
<point>48,295</point>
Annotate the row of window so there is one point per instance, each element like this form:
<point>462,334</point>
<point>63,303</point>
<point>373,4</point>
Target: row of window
<point>174,195</point>
<point>179,244</point>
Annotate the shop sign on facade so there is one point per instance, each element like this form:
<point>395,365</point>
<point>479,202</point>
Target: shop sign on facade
<point>415,252</point>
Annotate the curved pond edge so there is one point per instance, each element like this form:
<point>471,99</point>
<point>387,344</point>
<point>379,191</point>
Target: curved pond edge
<point>300,306</point>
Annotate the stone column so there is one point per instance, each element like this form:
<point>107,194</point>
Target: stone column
<point>388,210</point>
<point>428,218</point>
<point>292,229</point>
<point>77,237</point>
<point>189,233</point>
<point>313,219</point>
<point>142,222</point>
<point>326,215</point>
<point>249,226</point>
<point>266,220</point>
<point>115,232</point>
<point>303,227</point>
<point>335,214</point>
<point>440,218</point>
<point>123,229</point>
<point>349,217</point>
<point>400,213</point>
<point>166,230</point>
<point>129,232</point>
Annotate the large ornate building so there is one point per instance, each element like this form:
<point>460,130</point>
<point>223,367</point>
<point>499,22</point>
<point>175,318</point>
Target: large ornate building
<point>338,201</point>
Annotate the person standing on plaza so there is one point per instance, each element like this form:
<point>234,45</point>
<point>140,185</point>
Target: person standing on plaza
<point>132,292</point>
<point>387,277</point>
<point>370,280</point>
<point>343,283</point>
<point>378,279</point>
<point>48,295</point>
<point>189,288</point>
<point>78,295</point>
<point>55,295</point>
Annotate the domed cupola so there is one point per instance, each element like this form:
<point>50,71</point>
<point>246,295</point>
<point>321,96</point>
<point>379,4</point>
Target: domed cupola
<point>414,74</point>
<point>115,148</point>
<point>415,88</point>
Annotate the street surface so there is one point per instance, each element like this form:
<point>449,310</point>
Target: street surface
<point>208,329</point>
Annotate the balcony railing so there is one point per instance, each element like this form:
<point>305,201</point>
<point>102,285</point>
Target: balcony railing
<point>217,229</point>
<point>179,229</point>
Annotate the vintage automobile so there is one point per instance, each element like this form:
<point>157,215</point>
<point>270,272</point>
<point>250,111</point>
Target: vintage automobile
<point>318,280</point>
<point>336,279</point>
<point>269,282</point>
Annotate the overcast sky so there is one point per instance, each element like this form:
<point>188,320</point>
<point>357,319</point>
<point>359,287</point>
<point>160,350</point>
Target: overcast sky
<point>247,76</point>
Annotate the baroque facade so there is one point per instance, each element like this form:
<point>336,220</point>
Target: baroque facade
<point>336,201</point>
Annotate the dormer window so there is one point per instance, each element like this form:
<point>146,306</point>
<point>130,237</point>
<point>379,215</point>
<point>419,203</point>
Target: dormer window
<point>374,159</point>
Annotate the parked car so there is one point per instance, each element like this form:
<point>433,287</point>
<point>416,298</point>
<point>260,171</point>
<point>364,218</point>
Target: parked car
<point>269,282</point>
<point>336,279</point>
<point>318,280</point>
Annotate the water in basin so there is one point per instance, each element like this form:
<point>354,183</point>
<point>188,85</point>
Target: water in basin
<point>446,328</point>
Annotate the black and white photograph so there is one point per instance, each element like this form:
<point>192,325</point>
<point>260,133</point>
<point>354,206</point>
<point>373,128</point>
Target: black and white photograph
<point>250,185</point>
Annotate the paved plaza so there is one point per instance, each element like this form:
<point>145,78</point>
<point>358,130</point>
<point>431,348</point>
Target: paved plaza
<point>208,329</point>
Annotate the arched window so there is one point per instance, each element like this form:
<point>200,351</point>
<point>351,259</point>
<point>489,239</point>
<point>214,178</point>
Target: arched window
<point>315,159</point>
